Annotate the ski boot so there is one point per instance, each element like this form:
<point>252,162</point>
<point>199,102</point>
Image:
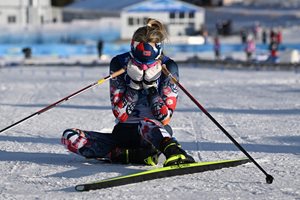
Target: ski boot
<point>175,155</point>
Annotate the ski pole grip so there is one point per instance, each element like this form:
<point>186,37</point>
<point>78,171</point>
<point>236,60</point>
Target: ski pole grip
<point>113,75</point>
<point>117,73</point>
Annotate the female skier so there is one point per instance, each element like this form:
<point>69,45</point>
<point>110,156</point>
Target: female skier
<point>143,100</point>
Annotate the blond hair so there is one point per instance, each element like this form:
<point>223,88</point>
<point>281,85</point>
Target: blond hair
<point>154,31</point>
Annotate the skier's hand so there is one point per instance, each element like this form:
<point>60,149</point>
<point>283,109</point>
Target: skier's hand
<point>151,76</point>
<point>136,76</point>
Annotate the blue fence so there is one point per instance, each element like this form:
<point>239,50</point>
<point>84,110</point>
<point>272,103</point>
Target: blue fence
<point>65,50</point>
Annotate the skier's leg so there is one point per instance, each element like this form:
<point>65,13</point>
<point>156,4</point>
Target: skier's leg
<point>162,139</point>
<point>142,155</point>
<point>131,148</point>
<point>88,144</point>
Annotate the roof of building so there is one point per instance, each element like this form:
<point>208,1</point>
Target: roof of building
<point>98,5</point>
<point>133,5</point>
<point>162,6</point>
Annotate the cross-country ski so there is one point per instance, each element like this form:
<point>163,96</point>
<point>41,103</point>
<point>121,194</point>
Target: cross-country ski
<point>157,173</point>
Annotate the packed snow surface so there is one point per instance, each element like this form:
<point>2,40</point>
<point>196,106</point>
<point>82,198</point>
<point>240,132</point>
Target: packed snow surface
<point>260,109</point>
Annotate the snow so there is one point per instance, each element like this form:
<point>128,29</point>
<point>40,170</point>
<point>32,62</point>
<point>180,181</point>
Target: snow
<point>260,109</point>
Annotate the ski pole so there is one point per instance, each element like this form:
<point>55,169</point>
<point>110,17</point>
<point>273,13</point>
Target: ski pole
<point>100,81</point>
<point>269,178</point>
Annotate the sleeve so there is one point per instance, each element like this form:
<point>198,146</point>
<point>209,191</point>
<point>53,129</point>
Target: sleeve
<point>163,101</point>
<point>123,98</point>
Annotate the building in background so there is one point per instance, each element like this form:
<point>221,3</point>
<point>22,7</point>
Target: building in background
<point>95,9</point>
<point>180,18</point>
<point>28,12</point>
<point>38,22</point>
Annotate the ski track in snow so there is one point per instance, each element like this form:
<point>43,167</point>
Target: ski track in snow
<point>260,109</point>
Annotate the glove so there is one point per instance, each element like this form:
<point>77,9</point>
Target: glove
<point>136,76</point>
<point>151,76</point>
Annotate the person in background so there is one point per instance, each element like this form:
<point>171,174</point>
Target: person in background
<point>100,48</point>
<point>264,36</point>
<point>256,30</point>
<point>243,34</point>
<point>143,101</point>
<point>273,35</point>
<point>250,47</point>
<point>27,52</point>
<point>217,47</point>
<point>279,37</point>
<point>205,35</point>
<point>273,48</point>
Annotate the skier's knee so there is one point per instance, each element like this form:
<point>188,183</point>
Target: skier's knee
<point>77,141</point>
<point>157,134</point>
<point>73,140</point>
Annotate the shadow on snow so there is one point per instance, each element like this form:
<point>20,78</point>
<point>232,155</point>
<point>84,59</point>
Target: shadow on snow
<point>82,166</point>
<point>278,111</point>
<point>288,144</point>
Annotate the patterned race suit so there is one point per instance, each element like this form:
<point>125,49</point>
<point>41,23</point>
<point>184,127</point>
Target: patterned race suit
<point>141,117</point>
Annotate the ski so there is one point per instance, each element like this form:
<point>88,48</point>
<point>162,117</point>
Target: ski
<point>161,172</point>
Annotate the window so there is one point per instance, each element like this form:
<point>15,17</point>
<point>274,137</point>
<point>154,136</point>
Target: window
<point>11,19</point>
<point>130,21</point>
<point>181,15</point>
<point>191,15</point>
<point>172,15</point>
<point>145,20</point>
<point>134,21</point>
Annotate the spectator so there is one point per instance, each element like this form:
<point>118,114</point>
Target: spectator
<point>273,48</point>
<point>217,47</point>
<point>100,48</point>
<point>273,36</point>
<point>279,37</point>
<point>250,47</point>
<point>243,36</point>
<point>27,52</point>
<point>264,36</point>
<point>256,30</point>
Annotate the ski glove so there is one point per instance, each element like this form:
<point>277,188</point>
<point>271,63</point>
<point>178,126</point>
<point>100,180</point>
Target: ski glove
<point>151,76</point>
<point>136,76</point>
